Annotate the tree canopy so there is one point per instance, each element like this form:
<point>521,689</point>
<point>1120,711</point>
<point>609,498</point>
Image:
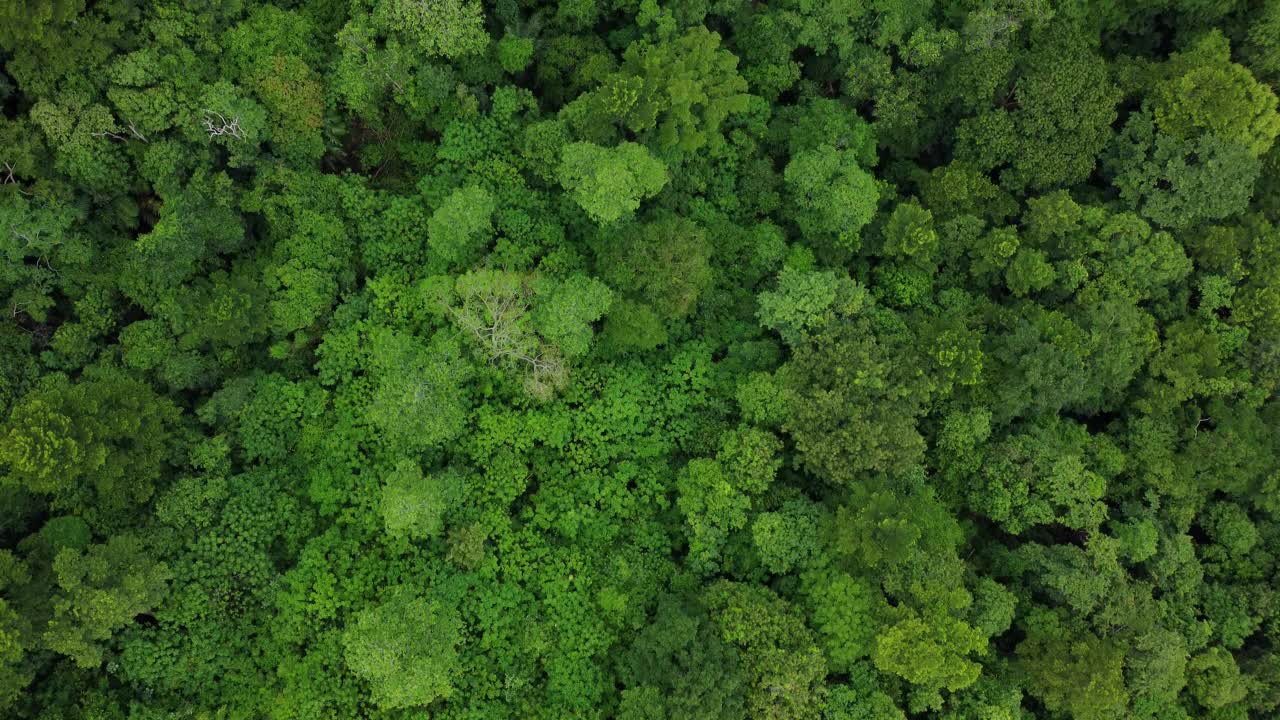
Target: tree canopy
<point>639,360</point>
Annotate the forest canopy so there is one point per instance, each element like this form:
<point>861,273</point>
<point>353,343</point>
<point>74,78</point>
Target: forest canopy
<point>639,360</point>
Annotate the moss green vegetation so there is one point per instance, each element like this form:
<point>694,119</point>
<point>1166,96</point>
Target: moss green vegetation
<point>639,360</point>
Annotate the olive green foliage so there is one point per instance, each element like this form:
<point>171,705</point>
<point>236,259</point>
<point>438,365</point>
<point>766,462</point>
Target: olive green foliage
<point>643,360</point>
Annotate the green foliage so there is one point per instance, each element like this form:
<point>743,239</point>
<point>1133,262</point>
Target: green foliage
<point>566,311</point>
<point>678,91</point>
<point>29,21</point>
<point>806,301</point>
<point>417,401</point>
<point>100,591</point>
<point>1066,105</point>
<point>781,661</point>
<point>405,648</point>
<point>1176,182</point>
<point>460,228</point>
<point>395,359</point>
<point>664,263</point>
<point>929,651</point>
<point>37,244</point>
<point>860,414</point>
<point>415,506</point>
<point>833,196</point>
<point>97,446</point>
<point>842,612</point>
<point>679,667</point>
<point>15,632</point>
<point>610,183</point>
<point>450,28</point>
<point>514,52</point>
<point>1075,672</point>
<point>1042,477</point>
<point>910,232</point>
<point>1202,92</point>
<point>784,539</point>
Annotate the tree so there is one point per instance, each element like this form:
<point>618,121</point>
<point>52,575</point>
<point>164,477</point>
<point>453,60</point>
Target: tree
<point>449,28</point>
<point>609,183</point>
<point>679,667</point>
<point>566,309</point>
<point>514,52</point>
<point>632,326</point>
<point>712,507</point>
<point>196,222</point>
<point>929,651</point>
<point>418,400</point>
<point>909,233</point>
<point>414,505</point>
<point>291,92</point>
<point>677,91</point>
<point>1074,671</point>
<point>1176,182</point>
<point>824,122</point>
<point>37,245</point>
<point>29,22</point>
<point>862,697</point>
<point>664,263</point>
<point>834,197</point>
<point>1067,104</point>
<point>1215,680</point>
<point>1261,49</point>
<point>859,415</point>
<point>492,309</point>
<point>784,539</point>
<point>842,611</point>
<point>461,227</point>
<point>1029,272</point>
<point>97,446</point>
<point>806,301</point>
<point>782,662</point>
<point>634,359</point>
<point>16,633</point>
<point>100,590</point>
<point>1201,91</point>
<point>405,648</point>
<point>1041,476</point>
<point>715,495</point>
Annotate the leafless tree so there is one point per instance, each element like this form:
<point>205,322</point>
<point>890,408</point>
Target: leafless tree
<point>495,320</point>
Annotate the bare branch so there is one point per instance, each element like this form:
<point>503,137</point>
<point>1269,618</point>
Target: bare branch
<point>217,125</point>
<point>136,132</point>
<point>109,134</point>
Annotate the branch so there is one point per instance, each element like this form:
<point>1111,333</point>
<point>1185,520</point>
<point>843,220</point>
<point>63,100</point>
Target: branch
<point>109,134</point>
<point>137,133</point>
<point>222,126</point>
